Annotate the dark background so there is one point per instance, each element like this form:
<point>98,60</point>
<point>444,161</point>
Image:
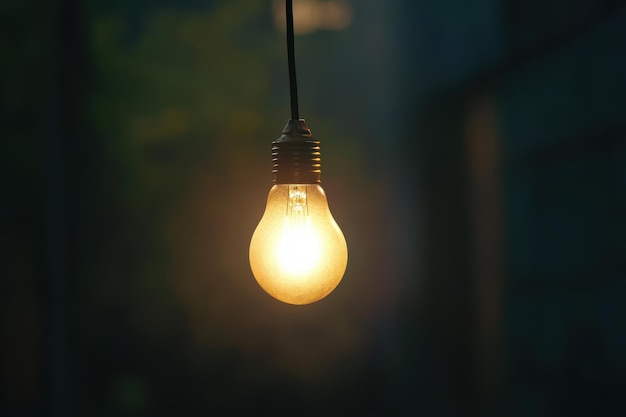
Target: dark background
<point>474,154</point>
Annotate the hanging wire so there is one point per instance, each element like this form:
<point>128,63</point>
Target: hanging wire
<point>293,87</point>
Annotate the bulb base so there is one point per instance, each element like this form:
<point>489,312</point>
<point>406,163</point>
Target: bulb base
<point>296,155</point>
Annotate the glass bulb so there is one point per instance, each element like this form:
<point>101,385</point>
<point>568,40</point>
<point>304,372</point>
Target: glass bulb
<point>298,253</point>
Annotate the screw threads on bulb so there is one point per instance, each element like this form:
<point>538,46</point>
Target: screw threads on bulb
<point>296,162</point>
<point>296,155</point>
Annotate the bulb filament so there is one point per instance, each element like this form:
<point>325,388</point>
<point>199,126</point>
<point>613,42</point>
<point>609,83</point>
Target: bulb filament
<point>299,247</point>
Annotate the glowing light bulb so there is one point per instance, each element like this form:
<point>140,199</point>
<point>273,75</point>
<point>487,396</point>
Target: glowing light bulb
<point>298,253</point>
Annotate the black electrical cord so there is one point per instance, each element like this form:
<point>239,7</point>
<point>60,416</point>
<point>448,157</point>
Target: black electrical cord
<point>291,59</point>
<point>295,154</point>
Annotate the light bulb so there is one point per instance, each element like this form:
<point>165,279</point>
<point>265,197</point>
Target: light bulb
<point>298,253</point>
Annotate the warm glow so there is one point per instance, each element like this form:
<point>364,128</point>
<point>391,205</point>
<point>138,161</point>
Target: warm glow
<point>313,15</point>
<point>298,249</point>
<point>298,253</point>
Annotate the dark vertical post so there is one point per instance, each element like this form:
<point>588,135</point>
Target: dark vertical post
<point>61,124</point>
<point>55,236</point>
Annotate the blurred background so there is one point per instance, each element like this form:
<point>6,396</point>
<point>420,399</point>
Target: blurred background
<point>474,155</point>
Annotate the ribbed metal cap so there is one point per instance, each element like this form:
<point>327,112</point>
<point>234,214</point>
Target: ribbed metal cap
<point>296,155</point>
